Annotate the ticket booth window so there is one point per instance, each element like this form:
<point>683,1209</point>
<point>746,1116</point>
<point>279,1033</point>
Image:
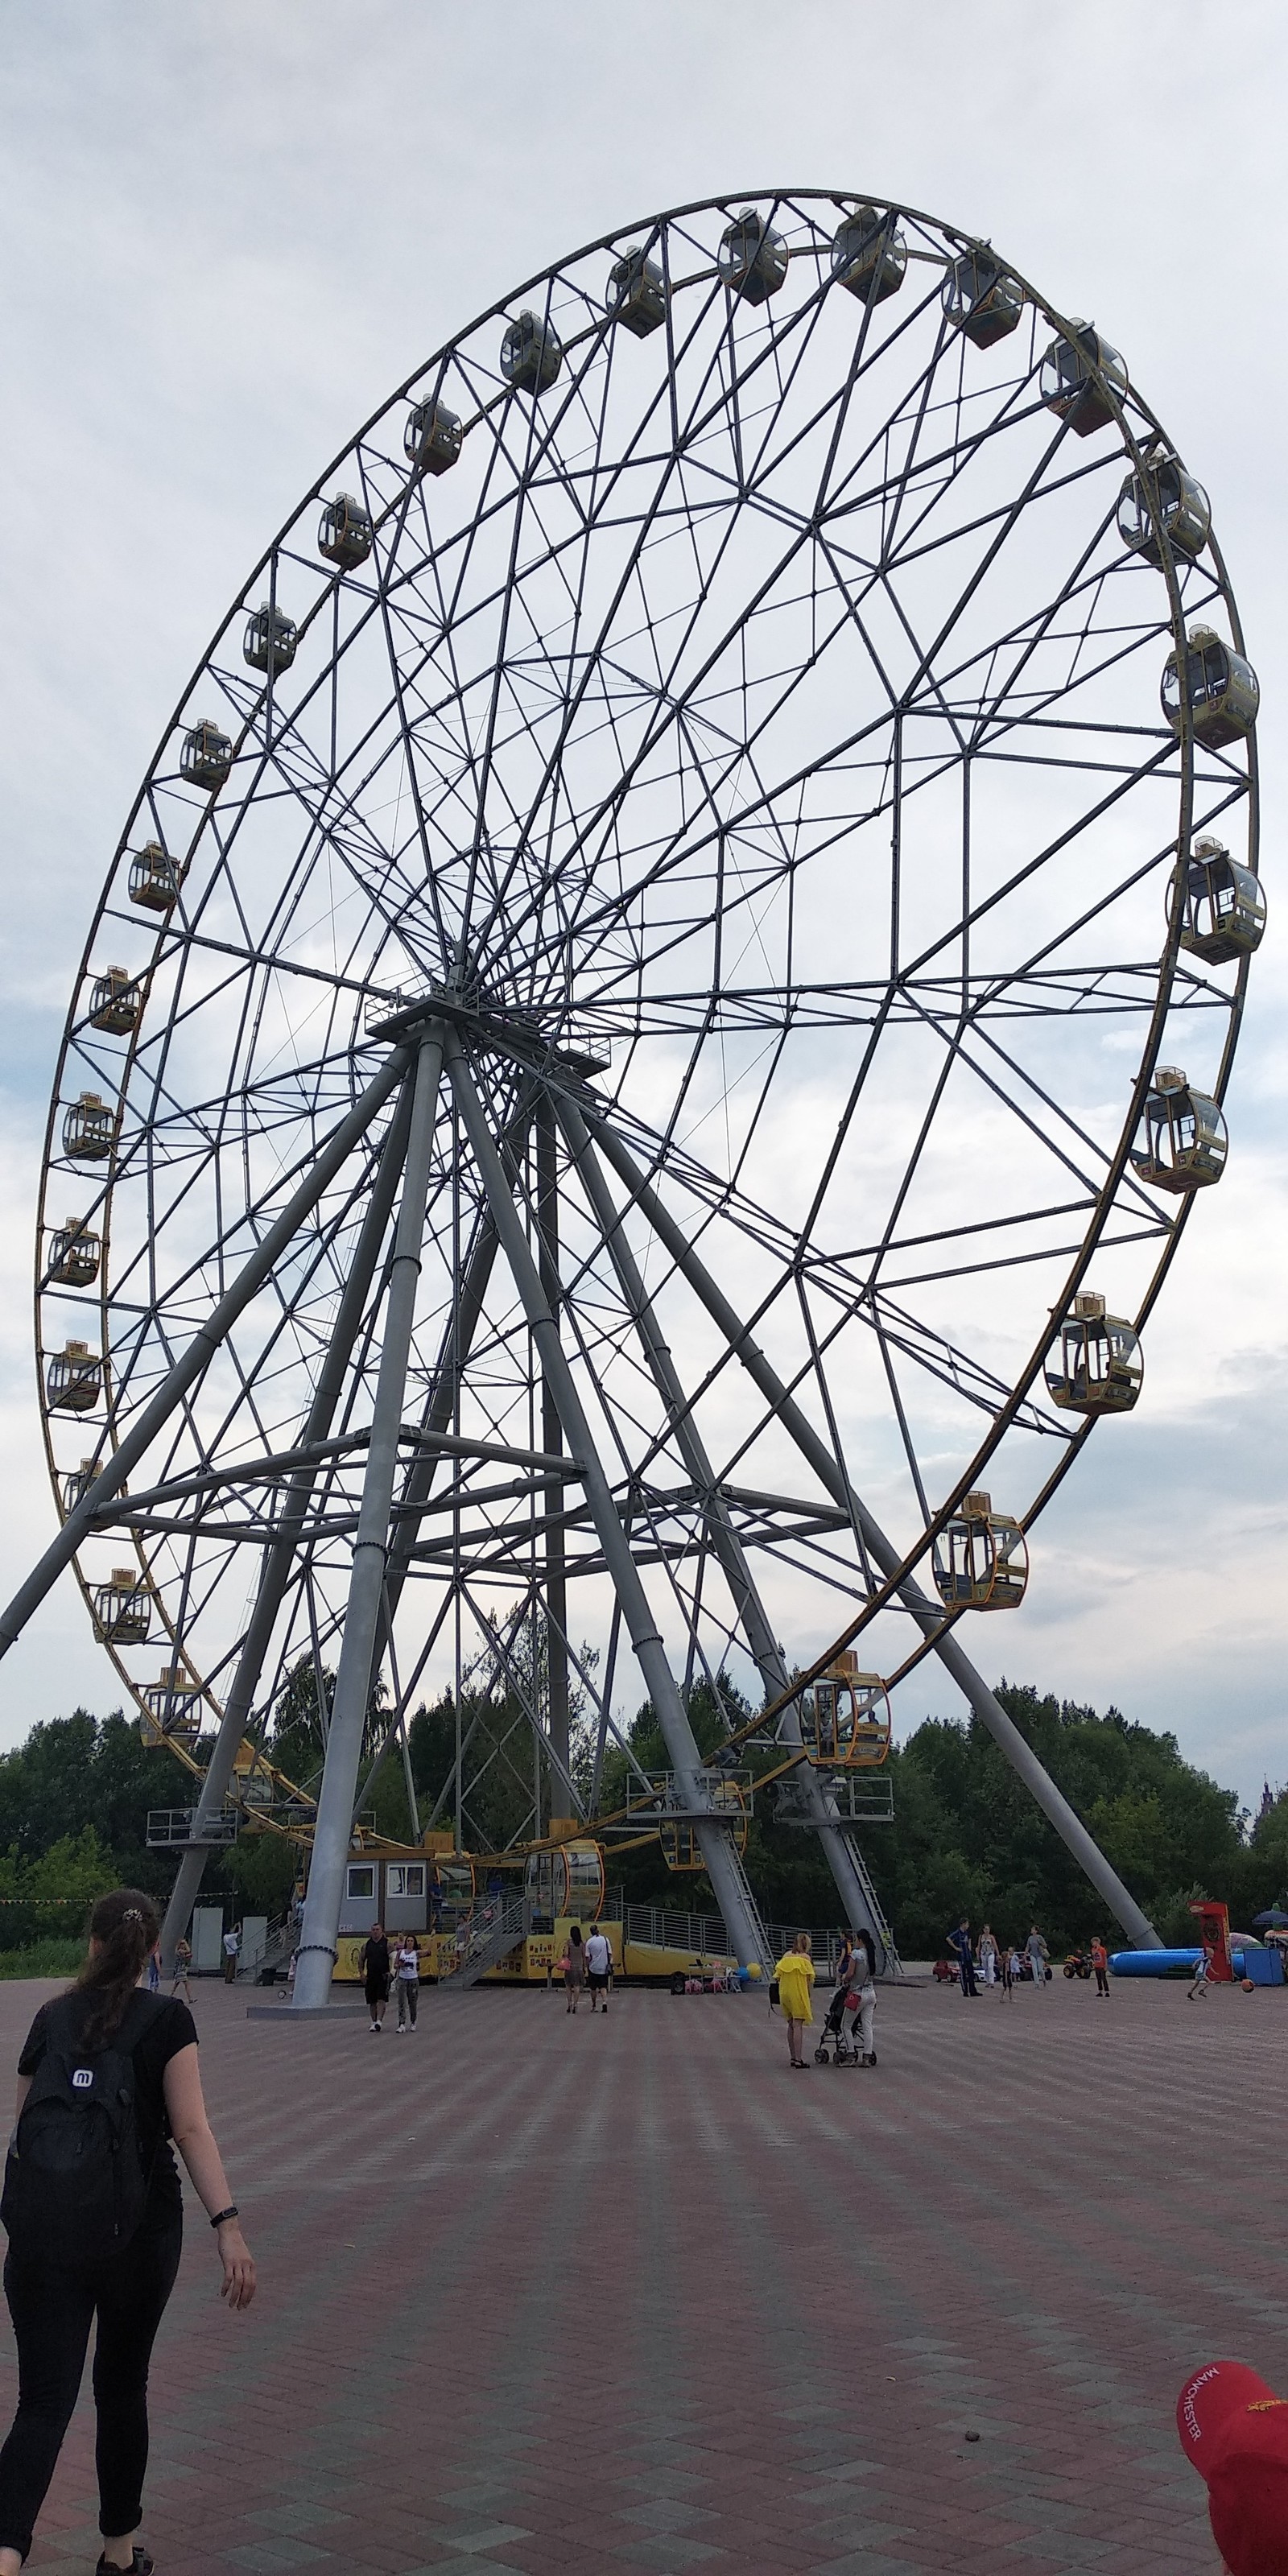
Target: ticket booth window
<point>404,1896</point>
<point>360,1908</point>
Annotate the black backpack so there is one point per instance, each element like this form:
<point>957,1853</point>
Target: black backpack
<point>75,2187</point>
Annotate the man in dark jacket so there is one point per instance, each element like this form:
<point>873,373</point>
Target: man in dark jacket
<point>960,1942</point>
<point>373,1960</point>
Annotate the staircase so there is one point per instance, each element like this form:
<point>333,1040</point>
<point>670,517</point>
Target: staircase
<point>763,1950</point>
<point>485,1937</point>
<point>279,1941</point>
<point>893,1963</point>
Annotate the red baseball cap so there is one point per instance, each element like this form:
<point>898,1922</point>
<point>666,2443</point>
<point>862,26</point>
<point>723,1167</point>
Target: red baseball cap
<point>1235,2431</point>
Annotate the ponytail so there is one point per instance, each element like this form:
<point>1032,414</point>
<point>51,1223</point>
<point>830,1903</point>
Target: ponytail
<point>126,1926</point>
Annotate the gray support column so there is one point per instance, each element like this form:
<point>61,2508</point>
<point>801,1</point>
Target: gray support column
<point>723,1867</point>
<point>457,1343</point>
<point>332,1834</point>
<point>279,1560</point>
<point>556,1584</point>
<point>726,1544</point>
<point>927,1614</point>
<point>200,1351</point>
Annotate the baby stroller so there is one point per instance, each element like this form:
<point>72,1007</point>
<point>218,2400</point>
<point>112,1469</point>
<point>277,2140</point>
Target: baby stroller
<point>845,2047</point>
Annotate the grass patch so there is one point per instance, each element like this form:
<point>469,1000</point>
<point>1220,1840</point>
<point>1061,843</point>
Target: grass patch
<point>43,1959</point>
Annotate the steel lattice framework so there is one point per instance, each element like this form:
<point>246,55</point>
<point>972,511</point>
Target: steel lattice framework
<point>643,953</point>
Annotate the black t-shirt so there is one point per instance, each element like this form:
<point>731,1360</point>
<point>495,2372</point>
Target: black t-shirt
<point>168,2027</point>
<point>375,1963</point>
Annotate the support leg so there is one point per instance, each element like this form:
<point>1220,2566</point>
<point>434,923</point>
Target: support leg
<point>723,1866</point>
<point>280,1560</point>
<point>331,1838</point>
<point>884,1554</point>
<point>556,1623</point>
<point>861,1913</point>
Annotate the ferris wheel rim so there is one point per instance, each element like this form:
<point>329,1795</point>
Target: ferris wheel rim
<point>723,201</point>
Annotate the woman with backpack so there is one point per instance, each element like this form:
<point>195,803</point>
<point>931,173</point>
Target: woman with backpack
<point>107,2078</point>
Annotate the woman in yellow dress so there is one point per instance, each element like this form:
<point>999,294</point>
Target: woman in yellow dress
<point>795,1974</point>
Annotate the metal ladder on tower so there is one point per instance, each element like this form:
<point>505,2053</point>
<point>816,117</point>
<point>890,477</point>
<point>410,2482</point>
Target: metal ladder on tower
<point>893,1963</point>
<point>753,1910</point>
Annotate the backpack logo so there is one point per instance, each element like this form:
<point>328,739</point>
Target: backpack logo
<point>83,2078</point>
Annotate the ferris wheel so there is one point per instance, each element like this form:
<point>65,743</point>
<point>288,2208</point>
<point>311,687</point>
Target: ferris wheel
<point>654,1026</point>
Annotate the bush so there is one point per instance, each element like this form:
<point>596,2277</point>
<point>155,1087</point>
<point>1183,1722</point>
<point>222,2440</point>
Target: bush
<point>43,1959</point>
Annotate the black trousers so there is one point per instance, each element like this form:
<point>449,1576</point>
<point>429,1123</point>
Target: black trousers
<point>1102,1982</point>
<point>52,2312</point>
<point>969,1986</point>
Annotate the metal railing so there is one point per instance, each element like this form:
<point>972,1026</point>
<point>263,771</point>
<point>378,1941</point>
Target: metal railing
<point>168,1826</point>
<point>487,1936</point>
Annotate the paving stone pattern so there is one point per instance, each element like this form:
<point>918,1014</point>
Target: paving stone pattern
<point>562,2297</point>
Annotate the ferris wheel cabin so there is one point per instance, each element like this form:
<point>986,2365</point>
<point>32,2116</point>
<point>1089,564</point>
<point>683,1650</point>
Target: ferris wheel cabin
<point>115,1002</point>
<point>869,255</point>
<point>89,1129</point>
<point>123,1607</point>
<point>74,1255</point>
<point>74,1379</point>
<point>845,1719</point>
<point>1163,502</point>
<point>207,755</point>
<point>345,533</point>
<point>637,295</point>
<point>982,1560</point>
<point>1095,1364</point>
<point>752,257</point>
<point>567,1883</point>
<point>155,878</point>
<point>1224,906</point>
<point>433,437</point>
<point>270,640</point>
<point>980,300</point>
<point>74,1487</point>
<point>172,1708</point>
<point>531,354</point>
<point>1220,687</point>
<point>1079,376</point>
<point>1182,1143</point>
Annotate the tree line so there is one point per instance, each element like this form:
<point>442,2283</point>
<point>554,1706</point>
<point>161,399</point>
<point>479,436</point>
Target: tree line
<point>966,1837</point>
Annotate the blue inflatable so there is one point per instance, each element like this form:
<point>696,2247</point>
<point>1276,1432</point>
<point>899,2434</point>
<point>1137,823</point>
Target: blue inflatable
<point>1153,1963</point>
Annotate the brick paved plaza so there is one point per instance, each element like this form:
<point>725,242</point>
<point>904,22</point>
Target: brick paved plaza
<point>561,2297</point>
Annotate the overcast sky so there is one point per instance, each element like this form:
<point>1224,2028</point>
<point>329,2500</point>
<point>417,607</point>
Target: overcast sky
<point>231,229</point>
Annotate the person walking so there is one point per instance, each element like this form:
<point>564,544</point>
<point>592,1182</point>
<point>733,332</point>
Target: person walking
<point>182,1963</point>
<point>574,1967</point>
<point>795,1974</point>
<point>1006,1964</point>
<point>988,1956</point>
<point>373,1968</point>
<point>1201,1975</point>
<point>599,1967</point>
<point>1017,1968</point>
<point>960,1942</point>
<point>232,1945</point>
<point>407,1979</point>
<point>1038,1955</point>
<point>108,2076</point>
<point>1100,1962</point>
<point>861,1977</point>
